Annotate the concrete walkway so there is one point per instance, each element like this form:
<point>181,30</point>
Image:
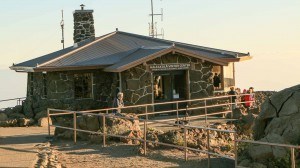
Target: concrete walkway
<point>17,145</point>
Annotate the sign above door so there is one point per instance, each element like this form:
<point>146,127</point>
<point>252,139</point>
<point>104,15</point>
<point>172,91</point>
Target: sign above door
<point>167,67</point>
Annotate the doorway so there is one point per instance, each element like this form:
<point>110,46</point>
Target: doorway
<point>169,86</point>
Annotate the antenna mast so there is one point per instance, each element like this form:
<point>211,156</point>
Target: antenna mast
<point>152,25</point>
<point>62,29</point>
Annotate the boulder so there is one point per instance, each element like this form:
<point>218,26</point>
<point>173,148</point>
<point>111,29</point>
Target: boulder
<point>9,123</point>
<point>280,114</point>
<point>23,122</point>
<point>27,108</point>
<point>43,122</point>
<point>3,117</point>
<point>15,115</point>
<point>264,152</point>
<point>40,114</point>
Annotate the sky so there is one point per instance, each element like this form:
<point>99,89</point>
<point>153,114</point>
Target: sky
<point>268,29</point>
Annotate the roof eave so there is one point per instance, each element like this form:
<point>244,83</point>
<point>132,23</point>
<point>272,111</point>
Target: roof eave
<point>22,68</point>
<point>67,68</point>
<point>238,59</point>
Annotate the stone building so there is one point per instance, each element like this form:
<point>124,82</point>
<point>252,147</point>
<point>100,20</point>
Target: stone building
<point>88,74</point>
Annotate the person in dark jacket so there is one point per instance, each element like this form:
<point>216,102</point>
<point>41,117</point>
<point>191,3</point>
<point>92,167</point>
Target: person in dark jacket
<point>216,81</point>
<point>233,98</point>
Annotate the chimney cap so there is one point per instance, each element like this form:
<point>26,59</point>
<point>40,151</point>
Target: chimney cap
<point>82,6</point>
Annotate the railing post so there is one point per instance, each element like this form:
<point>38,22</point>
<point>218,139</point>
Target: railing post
<point>104,128</point>
<point>205,111</point>
<point>231,107</point>
<point>177,113</point>
<point>145,131</point>
<point>208,148</point>
<point>293,157</point>
<point>48,118</point>
<point>74,126</point>
<point>185,142</point>
<point>235,150</point>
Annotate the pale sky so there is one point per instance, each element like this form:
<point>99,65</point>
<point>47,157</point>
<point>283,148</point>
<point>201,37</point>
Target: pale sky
<point>268,29</point>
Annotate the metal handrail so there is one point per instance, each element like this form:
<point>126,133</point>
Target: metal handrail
<point>19,101</point>
<point>18,98</point>
<point>170,102</point>
<point>105,115</point>
<point>144,140</point>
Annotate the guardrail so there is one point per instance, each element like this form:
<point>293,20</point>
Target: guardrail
<point>144,140</point>
<point>104,113</point>
<point>292,148</point>
<point>18,99</point>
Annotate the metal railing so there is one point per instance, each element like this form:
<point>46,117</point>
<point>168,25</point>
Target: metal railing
<point>18,99</point>
<point>292,149</point>
<point>104,113</point>
<point>144,140</point>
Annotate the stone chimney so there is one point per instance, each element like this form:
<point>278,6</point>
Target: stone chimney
<point>83,24</point>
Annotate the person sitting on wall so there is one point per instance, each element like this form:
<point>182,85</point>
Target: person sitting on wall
<point>216,81</point>
<point>118,103</point>
<point>233,98</point>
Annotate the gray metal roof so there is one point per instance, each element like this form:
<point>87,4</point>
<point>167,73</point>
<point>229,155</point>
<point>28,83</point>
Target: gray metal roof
<point>118,49</point>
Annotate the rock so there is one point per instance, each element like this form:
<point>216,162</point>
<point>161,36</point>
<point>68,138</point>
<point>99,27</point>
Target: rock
<point>17,109</point>
<point>15,115</point>
<point>92,122</point>
<point>245,163</point>
<point>27,108</point>
<point>96,138</point>
<point>43,122</point>
<point>264,152</point>
<point>25,122</point>
<point>40,115</point>
<point>3,117</point>
<point>9,123</point>
<point>258,165</point>
<point>248,121</point>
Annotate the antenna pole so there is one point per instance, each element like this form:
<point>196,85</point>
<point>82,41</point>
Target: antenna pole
<point>152,26</point>
<point>152,22</point>
<point>62,29</point>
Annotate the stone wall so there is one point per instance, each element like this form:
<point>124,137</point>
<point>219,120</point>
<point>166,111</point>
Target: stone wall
<point>136,83</point>
<point>60,91</point>
<point>83,25</point>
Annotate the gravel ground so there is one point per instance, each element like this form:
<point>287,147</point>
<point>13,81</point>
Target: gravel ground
<point>87,155</point>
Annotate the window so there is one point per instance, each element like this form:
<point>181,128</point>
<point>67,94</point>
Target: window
<point>83,85</point>
<point>44,89</point>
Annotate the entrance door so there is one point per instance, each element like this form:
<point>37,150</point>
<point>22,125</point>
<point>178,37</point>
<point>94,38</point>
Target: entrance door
<point>169,86</point>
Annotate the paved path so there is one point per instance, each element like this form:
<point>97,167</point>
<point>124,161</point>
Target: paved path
<point>17,145</point>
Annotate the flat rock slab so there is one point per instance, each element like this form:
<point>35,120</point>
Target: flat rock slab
<point>17,145</point>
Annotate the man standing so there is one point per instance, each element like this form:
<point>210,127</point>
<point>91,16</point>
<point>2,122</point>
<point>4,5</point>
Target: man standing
<point>216,81</point>
<point>233,98</point>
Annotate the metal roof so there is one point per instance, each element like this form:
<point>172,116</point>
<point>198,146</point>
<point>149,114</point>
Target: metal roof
<point>116,50</point>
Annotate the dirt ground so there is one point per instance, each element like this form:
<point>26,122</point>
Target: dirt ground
<point>88,155</point>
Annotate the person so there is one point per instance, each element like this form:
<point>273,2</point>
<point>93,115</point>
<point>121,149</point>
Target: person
<point>233,98</point>
<point>118,103</point>
<point>243,97</point>
<point>249,98</point>
<point>216,81</point>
